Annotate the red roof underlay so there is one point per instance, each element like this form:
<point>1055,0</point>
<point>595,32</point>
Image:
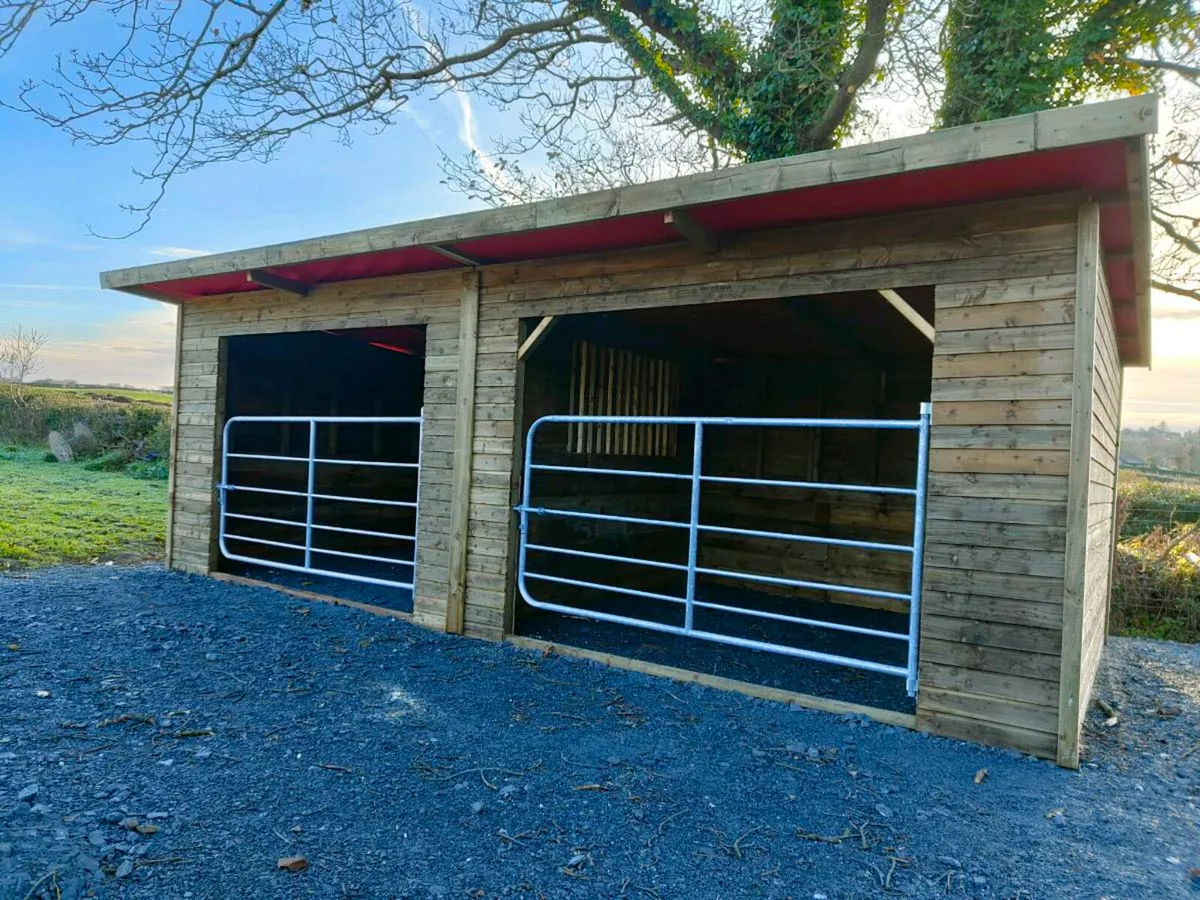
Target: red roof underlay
<point>1094,168</point>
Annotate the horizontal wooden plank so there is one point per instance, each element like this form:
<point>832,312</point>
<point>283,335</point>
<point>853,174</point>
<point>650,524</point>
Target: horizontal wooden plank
<point>991,659</point>
<point>989,709</point>
<point>985,509</point>
<point>1039,691</point>
<point>996,534</point>
<point>1002,585</point>
<point>1032,462</point>
<point>1036,743</point>
<point>1048,564</point>
<point>1005,486</point>
<point>1001,412</point>
<point>1020,362</point>
<point>1060,311</point>
<point>1003,340</point>
<point>993,609</point>
<point>992,634</point>
<point>1005,388</point>
<point>1011,290</point>
<point>995,437</point>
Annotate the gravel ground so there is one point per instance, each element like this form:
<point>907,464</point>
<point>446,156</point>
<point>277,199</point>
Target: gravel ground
<point>166,736</point>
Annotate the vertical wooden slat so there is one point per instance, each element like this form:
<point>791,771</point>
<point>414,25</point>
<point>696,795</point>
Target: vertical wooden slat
<point>581,407</point>
<point>170,542</point>
<point>610,369</point>
<point>625,399</point>
<point>218,444</point>
<point>1079,477</point>
<point>464,428</point>
<point>573,396</point>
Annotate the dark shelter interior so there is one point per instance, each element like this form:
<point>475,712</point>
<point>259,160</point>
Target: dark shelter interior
<point>372,372</point>
<point>837,356</point>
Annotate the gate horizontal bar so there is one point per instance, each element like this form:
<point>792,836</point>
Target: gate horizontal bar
<point>783,649</point>
<point>331,420</point>
<point>808,538</point>
<point>608,557</point>
<point>381,534</point>
<point>412,504</point>
<point>588,470</point>
<point>888,424</point>
<point>800,620</point>
<point>613,589</point>
<point>603,517</point>
<point>265,519</point>
<point>367,556</point>
<point>702,604</point>
<point>254,540</point>
<point>370,462</point>
<point>303,459</point>
<point>812,585</point>
<point>811,485</point>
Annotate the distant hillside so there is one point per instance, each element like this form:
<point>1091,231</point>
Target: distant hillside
<point>1161,448</point>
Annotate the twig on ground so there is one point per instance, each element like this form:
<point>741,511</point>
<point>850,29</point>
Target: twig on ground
<point>50,873</point>
<point>661,830</point>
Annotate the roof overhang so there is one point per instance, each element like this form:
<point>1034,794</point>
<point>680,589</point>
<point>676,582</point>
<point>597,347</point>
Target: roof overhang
<point>1098,150</point>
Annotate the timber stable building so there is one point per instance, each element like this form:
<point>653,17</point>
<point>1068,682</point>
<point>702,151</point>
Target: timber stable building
<point>842,427</point>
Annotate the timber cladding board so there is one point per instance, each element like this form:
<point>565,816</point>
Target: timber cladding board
<point>1070,701</point>
<point>1005,359</point>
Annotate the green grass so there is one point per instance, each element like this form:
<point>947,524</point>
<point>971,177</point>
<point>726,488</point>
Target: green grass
<point>152,397</point>
<point>54,513</point>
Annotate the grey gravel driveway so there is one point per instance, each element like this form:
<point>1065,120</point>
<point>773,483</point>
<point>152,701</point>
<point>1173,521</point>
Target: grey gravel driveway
<point>166,736</point>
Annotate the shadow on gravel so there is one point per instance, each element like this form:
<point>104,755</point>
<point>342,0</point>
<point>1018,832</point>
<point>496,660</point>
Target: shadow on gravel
<point>166,736</point>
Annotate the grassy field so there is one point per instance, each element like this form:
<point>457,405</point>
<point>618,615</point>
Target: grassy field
<point>137,396</point>
<point>61,512</point>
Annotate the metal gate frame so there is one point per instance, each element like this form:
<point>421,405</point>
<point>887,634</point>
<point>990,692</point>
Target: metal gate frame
<point>694,527</point>
<point>310,495</point>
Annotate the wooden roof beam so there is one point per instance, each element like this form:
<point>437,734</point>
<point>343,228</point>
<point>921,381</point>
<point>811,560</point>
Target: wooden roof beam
<point>266,279</point>
<point>536,336</point>
<point>905,309</point>
<point>692,230</point>
<point>450,253</point>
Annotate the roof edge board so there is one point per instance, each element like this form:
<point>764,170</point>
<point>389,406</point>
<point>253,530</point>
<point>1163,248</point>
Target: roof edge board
<point>1137,168</point>
<point>1126,118</point>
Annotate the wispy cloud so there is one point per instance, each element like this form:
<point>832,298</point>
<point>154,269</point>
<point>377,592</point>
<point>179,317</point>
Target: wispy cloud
<point>8,286</point>
<point>466,134</point>
<point>178,252</point>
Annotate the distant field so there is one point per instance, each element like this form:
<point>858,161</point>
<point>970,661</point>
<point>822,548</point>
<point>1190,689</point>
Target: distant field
<point>61,512</point>
<point>133,394</point>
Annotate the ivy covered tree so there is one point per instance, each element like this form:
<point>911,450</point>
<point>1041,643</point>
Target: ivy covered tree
<point>608,92</point>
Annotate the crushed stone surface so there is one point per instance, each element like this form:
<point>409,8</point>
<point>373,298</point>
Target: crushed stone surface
<point>170,736</point>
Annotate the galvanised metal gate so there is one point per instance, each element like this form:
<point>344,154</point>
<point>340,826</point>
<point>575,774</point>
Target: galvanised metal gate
<point>310,527</point>
<point>695,527</point>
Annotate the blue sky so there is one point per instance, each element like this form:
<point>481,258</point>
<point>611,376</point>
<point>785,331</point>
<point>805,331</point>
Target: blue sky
<point>55,192</point>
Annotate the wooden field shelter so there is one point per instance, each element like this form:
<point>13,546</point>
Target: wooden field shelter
<point>371,394</point>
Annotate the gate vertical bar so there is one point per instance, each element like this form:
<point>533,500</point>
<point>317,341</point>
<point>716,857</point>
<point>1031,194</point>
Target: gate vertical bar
<point>694,527</point>
<point>417,501</point>
<point>312,480</point>
<point>918,556</point>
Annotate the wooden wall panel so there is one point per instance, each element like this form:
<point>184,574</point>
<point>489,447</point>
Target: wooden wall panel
<point>991,637</point>
<point>1102,481</point>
